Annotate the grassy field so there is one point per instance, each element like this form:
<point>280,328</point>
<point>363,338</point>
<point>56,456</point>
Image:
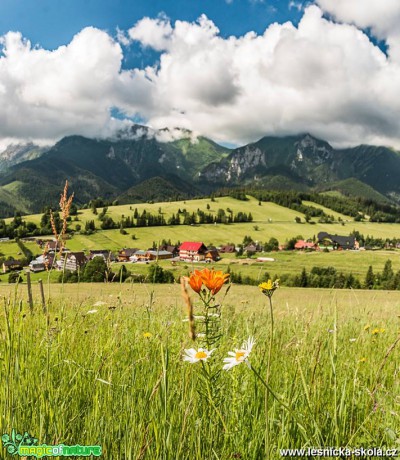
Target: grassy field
<point>222,234</point>
<point>284,262</point>
<point>270,220</point>
<point>105,367</point>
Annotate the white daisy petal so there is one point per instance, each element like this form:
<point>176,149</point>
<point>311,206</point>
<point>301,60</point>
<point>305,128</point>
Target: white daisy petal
<point>239,355</point>
<point>193,356</point>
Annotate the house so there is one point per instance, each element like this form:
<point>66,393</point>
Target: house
<point>52,245</point>
<point>212,254</point>
<point>192,251</point>
<point>159,255</point>
<point>174,250</point>
<point>139,256</point>
<point>72,261</point>
<point>43,262</point>
<point>107,255</point>
<point>338,242</point>
<point>150,254</point>
<point>10,265</point>
<point>301,245</point>
<point>252,248</point>
<point>227,249</point>
<point>124,255</point>
<point>36,266</point>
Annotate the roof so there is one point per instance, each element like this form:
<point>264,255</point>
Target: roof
<point>159,253</point>
<point>127,252</point>
<point>301,244</point>
<point>344,241</point>
<point>79,256</point>
<point>9,263</point>
<point>191,246</point>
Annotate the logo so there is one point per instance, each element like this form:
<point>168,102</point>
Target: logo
<point>27,446</point>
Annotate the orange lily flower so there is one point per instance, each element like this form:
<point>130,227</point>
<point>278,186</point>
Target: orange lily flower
<point>214,280</point>
<point>196,281</point>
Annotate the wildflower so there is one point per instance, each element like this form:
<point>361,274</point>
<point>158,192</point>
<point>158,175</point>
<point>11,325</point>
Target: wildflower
<point>213,280</point>
<point>147,335</point>
<point>196,281</point>
<point>239,355</point>
<point>367,327</point>
<point>193,356</point>
<point>377,330</point>
<point>352,340</point>
<point>268,287</point>
<point>362,360</point>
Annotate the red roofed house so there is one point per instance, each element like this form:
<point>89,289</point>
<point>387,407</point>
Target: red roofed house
<point>301,244</point>
<point>192,251</point>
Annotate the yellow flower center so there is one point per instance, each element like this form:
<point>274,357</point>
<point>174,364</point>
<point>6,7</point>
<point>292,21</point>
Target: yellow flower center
<point>200,355</point>
<point>239,354</point>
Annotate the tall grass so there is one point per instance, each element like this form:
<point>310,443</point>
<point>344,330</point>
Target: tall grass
<point>116,378</point>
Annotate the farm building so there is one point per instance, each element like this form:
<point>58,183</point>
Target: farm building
<point>72,261</point>
<point>301,245</point>
<point>326,240</point>
<point>212,254</point>
<point>107,255</point>
<point>227,249</point>
<point>10,265</point>
<point>124,255</point>
<point>192,251</point>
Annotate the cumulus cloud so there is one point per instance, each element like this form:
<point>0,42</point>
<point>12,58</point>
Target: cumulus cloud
<point>152,32</point>
<point>322,76</point>
<point>382,17</point>
<point>48,94</point>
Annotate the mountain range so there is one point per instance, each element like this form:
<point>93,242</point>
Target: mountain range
<point>143,165</point>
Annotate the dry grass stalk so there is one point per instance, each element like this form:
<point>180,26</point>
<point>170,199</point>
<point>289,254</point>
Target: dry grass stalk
<point>189,305</point>
<point>65,207</point>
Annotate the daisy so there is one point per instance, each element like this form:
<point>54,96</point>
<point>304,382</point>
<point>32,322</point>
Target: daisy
<point>239,355</point>
<point>193,356</point>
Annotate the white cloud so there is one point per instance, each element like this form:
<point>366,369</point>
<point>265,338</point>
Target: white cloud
<point>323,77</point>
<point>152,32</point>
<point>295,5</point>
<point>48,94</point>
<point>381,16</point>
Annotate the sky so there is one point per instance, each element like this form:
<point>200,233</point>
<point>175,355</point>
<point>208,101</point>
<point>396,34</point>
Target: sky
<point>231,70</point>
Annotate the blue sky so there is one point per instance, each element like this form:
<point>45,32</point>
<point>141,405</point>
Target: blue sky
<point>52,23</point>
<point>232,70</point>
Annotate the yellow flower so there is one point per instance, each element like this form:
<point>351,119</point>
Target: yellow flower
<point>378,330</point>
<point>362,360</point>
<point>147,335</point>
<point>366,328</point>
<point>268,287</point>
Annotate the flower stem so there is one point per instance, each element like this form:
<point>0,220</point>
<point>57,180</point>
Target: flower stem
<point>270,390</point>
<point>271,340</point>
<point>210,398</point>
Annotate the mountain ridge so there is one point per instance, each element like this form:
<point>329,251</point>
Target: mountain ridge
<point>144,163</point>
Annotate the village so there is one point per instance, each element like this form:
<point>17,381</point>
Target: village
<point>57,256</point>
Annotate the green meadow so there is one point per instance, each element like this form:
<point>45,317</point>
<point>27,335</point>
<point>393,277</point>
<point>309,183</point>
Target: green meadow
<point>104,367</point>
<point>269,220</point>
